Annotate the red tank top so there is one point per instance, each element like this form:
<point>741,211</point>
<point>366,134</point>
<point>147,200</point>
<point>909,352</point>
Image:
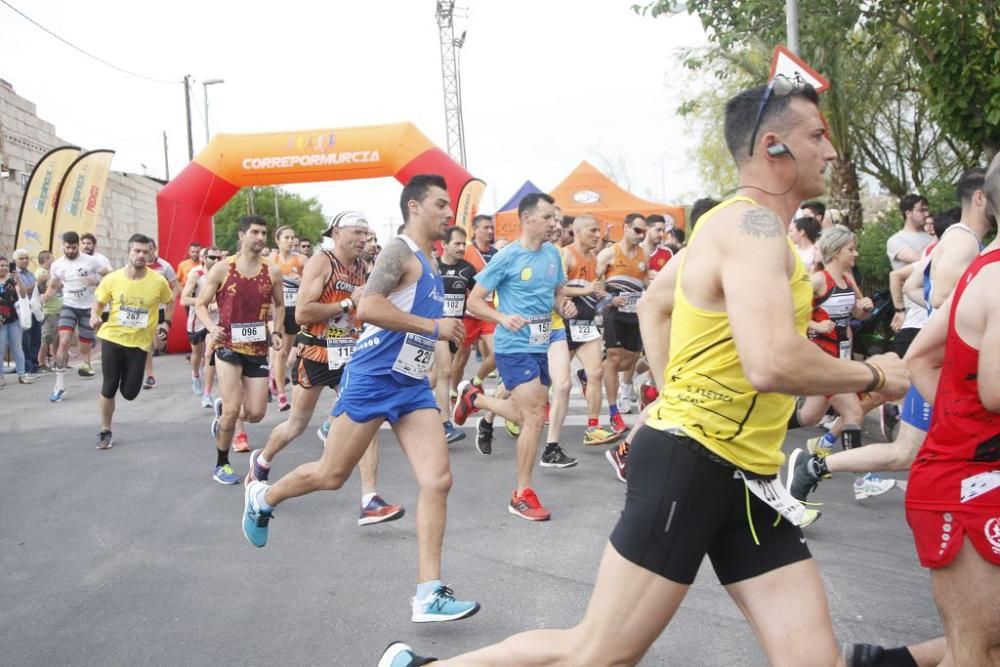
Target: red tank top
<point>959,461</point>
<point>246,302</point>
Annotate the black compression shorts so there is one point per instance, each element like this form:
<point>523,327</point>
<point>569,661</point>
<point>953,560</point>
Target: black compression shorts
<point>253,367</point>
<point>122,369</point>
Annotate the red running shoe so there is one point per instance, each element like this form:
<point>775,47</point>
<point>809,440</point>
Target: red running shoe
<point>465,403</point>
<point>647,394</point>
<point>618,457</point>
<point>618,424</point>
<point>527,506</point>
<point>241,443</point>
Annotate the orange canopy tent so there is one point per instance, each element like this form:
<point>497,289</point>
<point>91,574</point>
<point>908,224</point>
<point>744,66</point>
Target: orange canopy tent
<point>587,190</point>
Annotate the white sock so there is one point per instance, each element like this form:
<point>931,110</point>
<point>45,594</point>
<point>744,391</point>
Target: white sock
<point>367,498</point>
<point>60,378</point>
<point>263,461</point>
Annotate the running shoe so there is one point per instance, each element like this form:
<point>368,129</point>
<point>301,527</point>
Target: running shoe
<point>255,520</point>
<point>453,394</point>
<point>104,440</point>
<point>452,434</point>
<point>633,395</point>
<point>57,395</point>
<point>257,473</point>
<point>618,424</point>
<point>398,654</point>
<point>597,435</point>
<point>513,428</point>
<point>379,511</point>
<point>196,386</point>
<point>581,376</point>
<point>648,394</point>
<point>818,448</point>
<point>624,403</point>
<point>225,475</point>
<point>889,421</point>
<point>442,606</point>
<point>44,369</point>
<point>217,408</point>
<point>862,655</point>
<point>323,431</point>
<point>870,485</point>
<point>85,370</point>
<point>484,436</point>
<point>150,382</point>
<point>618,458</point>
<point>283,404</point>
<point>26,379</point>
<point>555,457</point>
<point>527,506</point>
<point>465,403</point>
<point>206,401</point>
<point>241,442</point>
<point>810,517</point>
<point>803,474</point>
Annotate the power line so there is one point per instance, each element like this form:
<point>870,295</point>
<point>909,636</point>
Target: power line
<point>77,48</point>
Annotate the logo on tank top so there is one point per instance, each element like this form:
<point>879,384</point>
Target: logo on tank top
<point>992,530</point>
<point>642,266</point>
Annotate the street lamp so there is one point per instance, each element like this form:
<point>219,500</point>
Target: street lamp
<point>205,84</point>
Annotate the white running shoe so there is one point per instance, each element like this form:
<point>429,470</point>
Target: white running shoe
<point>870,485</point>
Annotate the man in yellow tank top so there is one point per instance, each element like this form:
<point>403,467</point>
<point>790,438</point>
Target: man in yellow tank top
<point>702,472</point>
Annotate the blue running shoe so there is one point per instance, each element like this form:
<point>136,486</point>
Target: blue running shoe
<point>196,387</point>
<point>323,431</point>
<point>57,395</point>
<point>398,654</point>
<point>258,473</point>
<point>206,401</point>
<point>255,520</point>
<point>225,475</point>
<point>442,606</point>
<point>452,434</point>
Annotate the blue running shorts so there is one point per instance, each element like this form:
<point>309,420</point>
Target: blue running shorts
<point>916,411</point>
<point>368,397</point>
<point>523,367</point>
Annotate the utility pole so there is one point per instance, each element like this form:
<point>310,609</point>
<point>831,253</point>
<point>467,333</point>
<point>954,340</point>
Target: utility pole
<point>792,25</point>
<point>166,158</point>
<point>187,106</point>
<point>450,79</point>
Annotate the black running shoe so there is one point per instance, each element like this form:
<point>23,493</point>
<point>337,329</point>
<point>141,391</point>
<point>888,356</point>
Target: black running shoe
<point>889,420</point>
<point>555,457</point>
<point>802,476</point>
<point>484,436</point>
<point>104,440</point>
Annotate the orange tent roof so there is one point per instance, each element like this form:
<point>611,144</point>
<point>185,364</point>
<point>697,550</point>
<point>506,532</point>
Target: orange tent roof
<point>587,190</point>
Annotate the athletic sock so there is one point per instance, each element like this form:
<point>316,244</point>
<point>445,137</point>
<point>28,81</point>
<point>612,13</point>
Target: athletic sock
<point>897,657</point>
<point>263,461</point>
<point>427,588</point>
<point>829,440</point>
<point>367,498</point>
<point>476,381</point>
<point>818,466</point>
<point>592,421</point>
<point>60,378</point>
<point>613,409</point>
<point>851,437</point>
<point>551,445</point>
<point>222,457</point>
<point>261,498</point>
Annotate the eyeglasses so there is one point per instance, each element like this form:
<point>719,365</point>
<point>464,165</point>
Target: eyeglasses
<point>779,86</point>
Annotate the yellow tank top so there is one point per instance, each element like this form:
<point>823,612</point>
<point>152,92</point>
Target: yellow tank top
<point>705,393</point>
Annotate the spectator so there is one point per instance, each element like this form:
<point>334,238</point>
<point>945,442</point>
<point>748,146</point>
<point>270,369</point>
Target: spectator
<point>10,328</point>
<point>804,231</point>
<point>31,339</point>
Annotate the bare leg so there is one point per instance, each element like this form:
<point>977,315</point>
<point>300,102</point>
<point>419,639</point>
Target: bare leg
<point>489,362</point>
<point>967,592</point>
<point>254,399</point>
<point>281,361</point>
<point>559,372</point>
<point>149,359</point>
<point>530,400</point>
<point>303,406</point>
<point>231,390</point>
<point>612,364</point>
<point>441,378</point>
<point>458,364</point>
<point>197,357</point>
<point>590,356</point>
<point>368,468</point>
<point>501,405</point>
<point>880,457</point>
<point>107,406</point>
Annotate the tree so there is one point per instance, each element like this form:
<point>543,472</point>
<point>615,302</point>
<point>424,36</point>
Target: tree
<point>304,215</point>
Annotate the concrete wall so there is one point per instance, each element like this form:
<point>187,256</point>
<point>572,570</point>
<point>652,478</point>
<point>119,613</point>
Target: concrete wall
<point>129,204</point>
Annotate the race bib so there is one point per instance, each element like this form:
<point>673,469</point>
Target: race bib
<point>774,493</point>
<point>248,332</point>
<point>583,331</point>
<point>539,329</point>
<point>415,356</point>
<point>291,295</point>
<point>454,305</point>
<point>339,352</point>
<point>133,317</point>
<point>845,349</point>
<point>631,299</point>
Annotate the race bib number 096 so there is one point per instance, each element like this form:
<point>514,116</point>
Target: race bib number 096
<point>248,332</point>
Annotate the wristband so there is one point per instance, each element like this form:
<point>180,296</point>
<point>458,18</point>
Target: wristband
<point>167,322</point>
<point>435,328</point>
<point>878,378</point>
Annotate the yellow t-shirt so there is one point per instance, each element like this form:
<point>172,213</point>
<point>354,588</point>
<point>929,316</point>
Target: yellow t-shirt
<point>706,394</point>
<point>135,307</point>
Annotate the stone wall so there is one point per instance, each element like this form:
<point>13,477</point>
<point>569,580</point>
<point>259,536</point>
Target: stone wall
<point>129,204</point>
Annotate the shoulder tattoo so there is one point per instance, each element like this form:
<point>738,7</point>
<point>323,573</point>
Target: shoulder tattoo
<point>761,223</point>
<point>389,267</point>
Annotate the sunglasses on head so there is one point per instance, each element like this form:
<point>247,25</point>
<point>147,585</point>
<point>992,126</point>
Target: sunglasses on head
<point>779,86</point>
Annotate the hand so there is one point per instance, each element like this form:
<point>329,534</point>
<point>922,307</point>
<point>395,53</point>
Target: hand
<point>569,309</point>
<point>897,378</point>
<point>451,329</point>
<point>866,304</point>
<point>897,321</point>
<point>95,321</point>
<point>618,301</point>
<point>512,322</point>
<point>824,326</point>
<point>162,330</point>
<point>216,332</point>
<point>356,295</point>
<point>276,338</point>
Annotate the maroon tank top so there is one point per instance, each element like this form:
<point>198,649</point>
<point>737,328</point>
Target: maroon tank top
<point>244,308</point>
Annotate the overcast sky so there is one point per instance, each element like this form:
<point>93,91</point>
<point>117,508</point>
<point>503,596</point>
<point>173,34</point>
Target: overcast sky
<point>546,84</point>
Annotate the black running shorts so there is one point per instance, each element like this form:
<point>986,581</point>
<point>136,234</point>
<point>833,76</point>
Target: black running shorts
<point>901,341</point>
<point>309,373</point>
<point>291,328</point>
<point>195,337</point>
<point>253,367</point>
<point>122,368</point>
<point>681,505</point>
<point>621,331</point>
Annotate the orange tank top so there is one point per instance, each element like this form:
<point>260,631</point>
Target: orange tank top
<point>341,284</point>
<point>584,268</point>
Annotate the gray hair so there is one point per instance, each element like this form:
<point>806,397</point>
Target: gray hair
<point>833,240</point>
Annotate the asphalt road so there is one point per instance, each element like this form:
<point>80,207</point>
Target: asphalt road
<point>134,556</point>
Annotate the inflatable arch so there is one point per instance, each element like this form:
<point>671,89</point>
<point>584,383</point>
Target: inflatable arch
<point>231,161</point>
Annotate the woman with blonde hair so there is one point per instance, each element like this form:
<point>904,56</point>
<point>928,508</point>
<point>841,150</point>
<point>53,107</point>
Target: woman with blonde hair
<point>291,265</point>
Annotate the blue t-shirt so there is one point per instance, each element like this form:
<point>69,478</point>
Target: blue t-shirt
<point>525,282</point>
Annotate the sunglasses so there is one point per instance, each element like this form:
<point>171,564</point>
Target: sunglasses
<point>779,86</point>
<point>213,257</point>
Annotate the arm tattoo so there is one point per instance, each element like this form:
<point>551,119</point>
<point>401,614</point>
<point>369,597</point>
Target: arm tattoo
<point>761,223</point>
<point>389,268</point>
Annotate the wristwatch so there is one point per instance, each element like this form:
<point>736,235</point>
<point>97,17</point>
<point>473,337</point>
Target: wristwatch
<point>347,305</point>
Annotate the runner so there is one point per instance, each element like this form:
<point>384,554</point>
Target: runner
<point>686,491</point>
<point>290,265</point>
<point>528,278</point>
<point>163,267</point>
<point>76,275</point>
<point>51,308</point>
<point>623,268</point>
<point>652,244</point>
<point>247,291</point>
<point>331,286</point>
<point>478,331</point>
<point>194,259</point>
<point>197,332</point>
<point>458,277</point>
<point>386,379</point>
<point>134,294</point>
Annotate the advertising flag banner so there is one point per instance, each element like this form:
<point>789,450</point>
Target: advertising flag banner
<point>79,201</point>
<point>34,221</point>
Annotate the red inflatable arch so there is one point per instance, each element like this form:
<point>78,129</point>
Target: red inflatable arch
<point>231,161</point>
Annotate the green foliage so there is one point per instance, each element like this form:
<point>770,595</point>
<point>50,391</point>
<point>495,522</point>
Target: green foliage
<point>304,215</point>
<point>872,268</point>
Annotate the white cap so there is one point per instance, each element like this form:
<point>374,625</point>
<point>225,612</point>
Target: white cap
<point>346,219</point>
